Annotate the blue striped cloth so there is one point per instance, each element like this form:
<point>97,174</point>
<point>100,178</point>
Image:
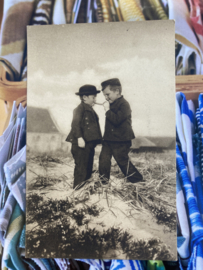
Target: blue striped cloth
<point>183,238</point>
<point>196,224</point>
<point>188,165</point>
<point>115,264</point>
<point>197,143</point>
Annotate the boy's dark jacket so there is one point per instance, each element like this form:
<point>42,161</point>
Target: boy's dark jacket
<point>118,125</point>
<point>85,124</point>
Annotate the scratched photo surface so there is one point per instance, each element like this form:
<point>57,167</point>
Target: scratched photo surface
<point>101,172</point>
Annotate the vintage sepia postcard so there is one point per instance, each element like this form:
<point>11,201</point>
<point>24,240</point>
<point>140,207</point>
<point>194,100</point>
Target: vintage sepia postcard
<point>101,171</point>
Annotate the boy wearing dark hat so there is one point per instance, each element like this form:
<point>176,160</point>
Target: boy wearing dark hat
<point>85,134</point>
<point>118,133</point>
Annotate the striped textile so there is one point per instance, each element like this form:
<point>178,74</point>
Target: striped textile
<point>11,256</point>
<point>196,224</point>
<point>12,40</point>
<point>32,265</point>
<point>183,123</point>
<point>183,235</point>
<point>164,4</point>
<point>158,10</point>
<point>82,12</point>
<point>15,176</point>
<point>115,264</point>
<point>18,190</point>
<point>199,258</point>
<point>68,10</point>
<point>59,12</point>
<point>126,264</point>
<point>106,11</point>
<point>186,61</point>
<point>191,108</point>
<point>200,125</point>
<point>131,11</point>
<point>44,264</point>
<point>15,167</point>
<point>188,128</point>
<point>63,264</point>
<point>177,48</point>
<point>5,154</point>
<point>24,67</point>
<point>42,16</point>
<point>179,126</point>
<point>5,216</point>
<point>97,264</point>
<point>197,141</point>
<point>98,11</point>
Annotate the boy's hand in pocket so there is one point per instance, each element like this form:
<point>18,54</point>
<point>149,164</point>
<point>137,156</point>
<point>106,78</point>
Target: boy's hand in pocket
<point>81,143</point>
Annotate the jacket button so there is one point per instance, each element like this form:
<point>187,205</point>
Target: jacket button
<point>112,130</point>
<point>88,128</point>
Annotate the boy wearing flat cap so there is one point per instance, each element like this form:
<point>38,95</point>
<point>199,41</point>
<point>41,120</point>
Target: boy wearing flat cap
<point>118,133</point>
<point>85,134</point>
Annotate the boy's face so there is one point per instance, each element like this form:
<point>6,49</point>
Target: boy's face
<point>90,100</point>
<point>110,95</point>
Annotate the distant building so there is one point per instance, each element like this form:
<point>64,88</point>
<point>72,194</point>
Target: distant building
<point>142,144</point>
<point>43,135</point>
<point>156,144</point>
<point>163,142</point>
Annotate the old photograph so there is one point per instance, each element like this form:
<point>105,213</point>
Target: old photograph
<point>101,167</point>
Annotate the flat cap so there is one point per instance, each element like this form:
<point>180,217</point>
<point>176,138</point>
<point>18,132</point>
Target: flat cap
<point>112,82</point>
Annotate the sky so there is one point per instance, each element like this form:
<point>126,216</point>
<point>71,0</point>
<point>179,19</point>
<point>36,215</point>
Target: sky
<point>141,54</point>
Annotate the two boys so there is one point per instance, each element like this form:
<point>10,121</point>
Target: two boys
<point>116,140</point>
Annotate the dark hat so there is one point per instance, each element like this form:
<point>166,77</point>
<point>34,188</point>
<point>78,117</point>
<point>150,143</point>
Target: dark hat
<point>113,82</point>
<point>87,90</point>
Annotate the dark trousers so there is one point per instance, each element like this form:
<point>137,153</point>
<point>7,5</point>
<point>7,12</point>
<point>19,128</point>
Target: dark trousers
<point>119,150</point>
<point>84,158</point>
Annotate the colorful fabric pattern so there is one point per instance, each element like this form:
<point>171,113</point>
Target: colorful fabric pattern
<point>178,11</point>
<point>11,256</point>
<point>157,9</point>
<point>106,11</point>
<point>115,264</point>
<point>131,11</point>
<point>16,13</point>
<point>196,20</point>
<point>99,14</point>
<point>188,169</point>
<point>69,7</point>
<point>42,16</point>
